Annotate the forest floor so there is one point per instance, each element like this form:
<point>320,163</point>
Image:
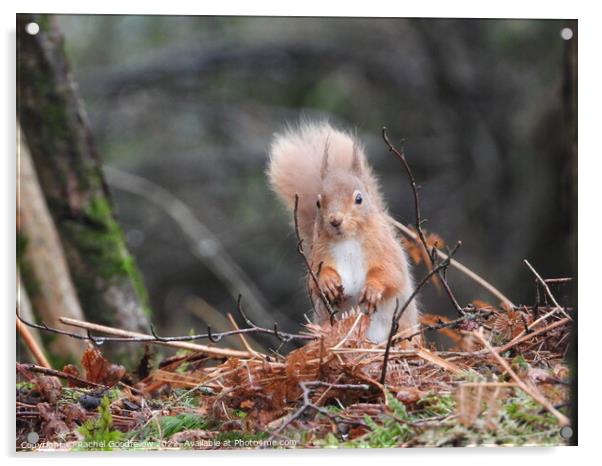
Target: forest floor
<point>505,382</point>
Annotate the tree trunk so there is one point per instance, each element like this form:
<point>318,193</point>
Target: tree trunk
<point>53,121</point>
<point>42,261</point>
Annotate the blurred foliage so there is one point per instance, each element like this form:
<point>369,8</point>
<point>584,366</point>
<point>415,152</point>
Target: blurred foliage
<point>191,103</point>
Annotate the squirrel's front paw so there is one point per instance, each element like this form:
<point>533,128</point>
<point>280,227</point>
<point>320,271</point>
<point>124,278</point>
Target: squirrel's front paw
<point>330,283</point>
<point>372,295</point>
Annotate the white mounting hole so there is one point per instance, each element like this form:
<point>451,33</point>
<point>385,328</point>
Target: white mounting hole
<point>566,33</point>
<point>32,28</point>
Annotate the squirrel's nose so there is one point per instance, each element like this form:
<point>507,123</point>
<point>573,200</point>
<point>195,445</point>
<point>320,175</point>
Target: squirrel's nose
<point>335,220</point>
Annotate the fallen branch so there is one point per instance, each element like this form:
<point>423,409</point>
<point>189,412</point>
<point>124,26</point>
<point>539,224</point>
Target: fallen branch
<point>210,335</point>
<point>59,374</point>
<point>525,337</point>
<point>141,337</point>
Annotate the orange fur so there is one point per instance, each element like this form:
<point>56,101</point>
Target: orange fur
<point>343,219</point>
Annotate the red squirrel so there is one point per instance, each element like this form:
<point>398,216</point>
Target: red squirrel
<point>344,225</point>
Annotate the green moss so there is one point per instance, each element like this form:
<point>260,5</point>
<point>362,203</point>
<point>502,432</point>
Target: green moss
<point>232,438</point>
<point>170,425</point>
<point>44,22</point>
<point>100,239</point>
<point>520,421</point>
<point>437,405</point>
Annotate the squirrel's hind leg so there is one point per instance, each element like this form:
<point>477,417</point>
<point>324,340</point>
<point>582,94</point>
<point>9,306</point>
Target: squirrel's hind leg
<point>380,321</point>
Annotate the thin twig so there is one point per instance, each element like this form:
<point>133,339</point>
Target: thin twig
<point>135,336</point>
<point>400,154</point>
<point>59,374</point>
<point>559,280</point>
<point>397,313</point>
<point>344,339</point>
<point>214,337</point>
<point>525,337</point>
<point>301,252</point>
<point>307,403</point>
<point>282,336</point>
<point>469,315</point>
<point>547,288</point>
<point>457,265</point>
<point>530,390</point>
<point>32,345</point>
<point>244,341</point>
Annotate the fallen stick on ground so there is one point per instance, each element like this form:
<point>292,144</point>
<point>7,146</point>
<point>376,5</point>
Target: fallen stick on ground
<point>59,374</point>
<point>435,359</point>
<point>530,390</point>
<point>220,352</point>
<point>242,338</point>
<point>527,336</point>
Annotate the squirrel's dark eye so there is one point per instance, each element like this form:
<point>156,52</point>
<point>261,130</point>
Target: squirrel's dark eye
<point>358,198</point>
<point>318,205</point>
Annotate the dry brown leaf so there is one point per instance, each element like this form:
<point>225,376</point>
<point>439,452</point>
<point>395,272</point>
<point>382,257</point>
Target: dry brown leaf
<point>74,371</point>
<point>50,388</point>
<point>416,250</point>
<point>52,424</point>
<point>510,324</point>
<point>73,414</point>
<point>409,395</point>
<point>99,370</point>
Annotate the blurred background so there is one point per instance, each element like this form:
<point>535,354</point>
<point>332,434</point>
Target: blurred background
<point>189,105</point>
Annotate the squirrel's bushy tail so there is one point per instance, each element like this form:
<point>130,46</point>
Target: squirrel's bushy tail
<point>296,156</point>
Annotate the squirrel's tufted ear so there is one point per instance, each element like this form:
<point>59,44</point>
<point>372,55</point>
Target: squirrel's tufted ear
<point>356,161</point>
<point>324,168</point>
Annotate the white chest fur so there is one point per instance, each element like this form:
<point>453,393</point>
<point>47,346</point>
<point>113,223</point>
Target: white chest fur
<point>349,259</point>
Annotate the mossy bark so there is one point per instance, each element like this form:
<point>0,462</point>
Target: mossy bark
<point>107,280</point>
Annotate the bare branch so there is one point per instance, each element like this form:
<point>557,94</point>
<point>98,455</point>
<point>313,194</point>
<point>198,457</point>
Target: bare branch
<point>399,311</point>
<point>133,337</point>
<point>59,374</point>
<point>400,154</point>
<point>547,288</point>
<point>300,250</point>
